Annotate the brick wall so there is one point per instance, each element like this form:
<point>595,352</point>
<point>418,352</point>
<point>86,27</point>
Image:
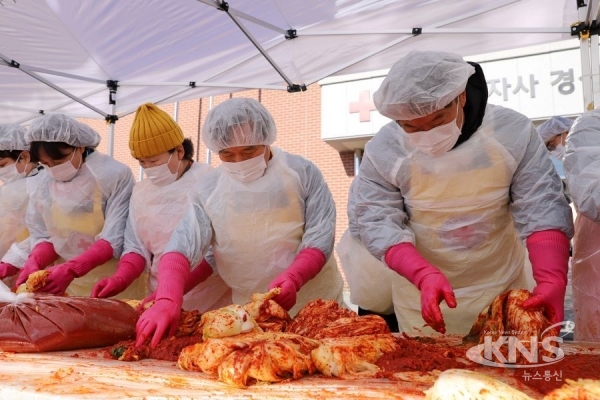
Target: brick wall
<point>298,120</point>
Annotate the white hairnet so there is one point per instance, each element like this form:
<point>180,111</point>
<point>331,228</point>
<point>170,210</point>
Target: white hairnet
<point>12,137</point>
<point>421,83</point>
<point>238,122</point>
<point>554,126</point>
<point>61,128</point>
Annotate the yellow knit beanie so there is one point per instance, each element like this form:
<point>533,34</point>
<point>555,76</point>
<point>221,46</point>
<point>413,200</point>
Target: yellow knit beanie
<point>153,132</point>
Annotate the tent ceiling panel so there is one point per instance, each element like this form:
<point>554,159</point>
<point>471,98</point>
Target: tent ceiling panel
<point>460,43</point>
<point>163,46</point>
<point>32,94</point>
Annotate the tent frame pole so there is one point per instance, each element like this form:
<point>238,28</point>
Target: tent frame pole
<point>58,106</point>
<point>112,117</point>
<point>433,30</point>
<point>225,7</point>
<point>237,13</point>
<point>586,74</point>
<point>595,69</point>
<point>587,32</point>
<point>46,82</point>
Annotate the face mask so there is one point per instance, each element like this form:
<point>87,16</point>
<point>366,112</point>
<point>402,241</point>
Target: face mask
<point>161,175</point>
<point>248,170</point>
<point>559,152</point>
<point>63,172</point>
<point>438,140</point>
<point>10,173</point>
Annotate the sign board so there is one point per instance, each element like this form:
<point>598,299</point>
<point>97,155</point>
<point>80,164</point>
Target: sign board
<point>347,109</point>
<point>538,86</point>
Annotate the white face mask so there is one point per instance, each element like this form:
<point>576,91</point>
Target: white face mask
<point>63,172</point>
<point>161,175</point>
<point>438,140</point>
<point>10,173</point>
<point>247,170</point>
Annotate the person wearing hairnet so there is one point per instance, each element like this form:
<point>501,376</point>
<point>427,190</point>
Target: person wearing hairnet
<point>157,142</point>
<point>78,210</point>
<point>268,215</point>
<point>582,169</point>
<point>448,190</point>
<point>15,165</point>
<point>553,133</point>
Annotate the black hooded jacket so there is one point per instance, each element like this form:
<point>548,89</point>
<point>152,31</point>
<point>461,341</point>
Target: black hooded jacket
<point>474,109</point>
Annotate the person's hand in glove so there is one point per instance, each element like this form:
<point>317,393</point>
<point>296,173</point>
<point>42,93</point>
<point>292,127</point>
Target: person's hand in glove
<point>42,255</point>
<point>130,268</point>
<point>549,256</point>
<point>435,288</point>
<point>163,317</point>
<point>287,297</point>
<point>7,270</point>
<point>307,264</point>
<point>198,275</point>
<point>405,259</point>
<point>62,275</point>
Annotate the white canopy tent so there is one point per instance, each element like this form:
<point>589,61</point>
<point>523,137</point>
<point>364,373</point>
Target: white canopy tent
<point>103,58</point>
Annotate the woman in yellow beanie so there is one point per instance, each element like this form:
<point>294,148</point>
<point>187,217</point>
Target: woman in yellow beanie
<point>78,208</point>
<point>268,215</point>
<point>157,204</point>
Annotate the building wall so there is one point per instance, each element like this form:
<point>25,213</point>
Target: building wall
<point>298,120</point>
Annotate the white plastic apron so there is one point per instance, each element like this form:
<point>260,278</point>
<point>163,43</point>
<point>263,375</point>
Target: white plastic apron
<point>585,277</point>
<point>462,225</point>
<point>73,223</point>
<point>156,215</point>
<point>369,280</point>
<point>258,228</point>
<point>13,205</point>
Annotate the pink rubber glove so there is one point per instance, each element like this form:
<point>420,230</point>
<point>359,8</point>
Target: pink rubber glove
<point>42,255</point>
<point>130,268</point>
<point>198,275</point>
<point>405,259</point>
<point>7,270</point>
<point>62,275</point>
<point>549,256</point>
<point>163,316</point>
<point>307,264</point>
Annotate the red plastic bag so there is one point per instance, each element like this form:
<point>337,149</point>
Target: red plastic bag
<point>53,323</point>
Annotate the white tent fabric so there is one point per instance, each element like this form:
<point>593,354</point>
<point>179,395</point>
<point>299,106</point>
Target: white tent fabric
<point>56,55</point>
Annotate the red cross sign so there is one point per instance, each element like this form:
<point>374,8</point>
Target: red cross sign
<point>363,106</point>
